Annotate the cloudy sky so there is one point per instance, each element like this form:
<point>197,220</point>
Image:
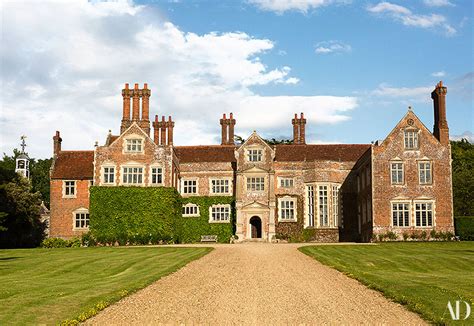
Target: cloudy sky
<point>353,67</point>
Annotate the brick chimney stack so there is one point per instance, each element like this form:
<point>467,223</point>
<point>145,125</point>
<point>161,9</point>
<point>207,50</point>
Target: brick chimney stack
<point>440,128</point>
<point>231,129</point>
<point>137,95</point>
<point>224,126</point>
<point>136,104</point>
<point>57,140</point>
<point>161,128</point>
<point>228,129</point>
<point>299,133</point>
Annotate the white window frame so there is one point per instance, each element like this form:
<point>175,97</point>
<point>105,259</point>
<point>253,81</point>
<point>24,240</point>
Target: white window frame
<point>150,176</point>
<point>67,186</point>
<point>102,175</point>
<point>320,213</point>
<point>281,207</point>
<point>80,211</point>
<point>397,182</point>
<point>420,170</point>
<point>130,138</point>
<point>212,187</point>
<point>411,140</point>
<point>132,166</point>
<point>335,204</point>
<point>401,211</point>
<point>183,186</point>
<point>191,206</point>
<point>254,155</point>
<point>310,205</point>
<point>433,213</point>
<point>252,185</point>
<point>286,182</point>
<point>224,209</point>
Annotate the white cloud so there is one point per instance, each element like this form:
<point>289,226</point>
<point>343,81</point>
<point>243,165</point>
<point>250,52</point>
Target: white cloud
<point>408,18</point>
<point>468,135</point>
<point>327,47</point>
<point>438,74</point>
<point>413,94</point>
<point>280,6</point>
<point>64,64</point>
<point>437,3</point>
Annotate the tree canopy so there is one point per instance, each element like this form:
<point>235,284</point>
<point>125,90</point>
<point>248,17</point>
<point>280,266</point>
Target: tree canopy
<point>463,177</point>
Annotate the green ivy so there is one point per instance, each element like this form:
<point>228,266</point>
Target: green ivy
<point>134,215</point>
<point>190,229</point>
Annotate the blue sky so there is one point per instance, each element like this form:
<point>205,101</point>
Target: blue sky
<point>353,67</point>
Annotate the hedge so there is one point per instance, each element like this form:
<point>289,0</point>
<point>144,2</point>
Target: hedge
<point>190,229</point>
<point>464,226</point>
<point>134,215</point>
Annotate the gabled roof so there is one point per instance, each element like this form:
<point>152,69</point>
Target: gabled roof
<point>205,153</point>
<point>74,165</point>
<point>330,152</point>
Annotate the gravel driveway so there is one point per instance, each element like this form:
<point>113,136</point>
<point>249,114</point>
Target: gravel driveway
<point>256,283</point>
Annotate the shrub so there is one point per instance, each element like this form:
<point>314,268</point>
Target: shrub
<point>423,235</point>
<point>381,237</point>
<point>391,236</point>
<point>88,240</point>
<point>414,236</point>
<point>433,234</point>
<point>405,236</point>
<point>190,229</point>
<point>464,226</point>
<point>60,243</point>
<point>133,215</point>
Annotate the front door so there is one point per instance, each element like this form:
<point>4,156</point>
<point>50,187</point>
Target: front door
<point>256,227</point>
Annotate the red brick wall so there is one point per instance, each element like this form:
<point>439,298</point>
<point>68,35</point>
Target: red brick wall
<point>62,219</point>
<point>440,190</point>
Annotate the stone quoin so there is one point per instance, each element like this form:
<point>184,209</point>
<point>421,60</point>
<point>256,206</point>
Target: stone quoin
<point>341,192</point>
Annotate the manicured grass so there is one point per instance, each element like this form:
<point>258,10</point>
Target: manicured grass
<point>423,276</point>
<point>48,286</point>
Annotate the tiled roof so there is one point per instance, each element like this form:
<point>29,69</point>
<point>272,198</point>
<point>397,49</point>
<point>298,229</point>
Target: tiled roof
<point>213,153</point>
<point>336,152</point>
<point>74,165</point>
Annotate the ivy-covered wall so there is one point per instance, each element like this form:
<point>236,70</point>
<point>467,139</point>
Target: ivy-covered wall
<point>134,215</point>
<point>190,229</point>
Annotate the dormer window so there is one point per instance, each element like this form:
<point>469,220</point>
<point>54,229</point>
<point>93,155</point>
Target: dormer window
<point>411,139</point>
<point>134,145</point>
<point>254,155</point>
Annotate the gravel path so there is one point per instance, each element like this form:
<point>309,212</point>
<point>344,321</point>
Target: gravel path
<point>256,283</point>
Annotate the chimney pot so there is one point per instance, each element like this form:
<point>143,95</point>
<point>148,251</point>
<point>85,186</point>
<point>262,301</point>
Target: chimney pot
<point>126,85</point>
<point>156,118</point>
<point>145,86</point>
<point>136,85</point>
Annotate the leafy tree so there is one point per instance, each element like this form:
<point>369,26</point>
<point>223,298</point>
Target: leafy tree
<point>20,211</point>
<point>463,177</point>
<point>39,172</point>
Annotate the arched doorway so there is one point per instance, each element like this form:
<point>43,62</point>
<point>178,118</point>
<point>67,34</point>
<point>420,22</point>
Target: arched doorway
<point>256,227</point>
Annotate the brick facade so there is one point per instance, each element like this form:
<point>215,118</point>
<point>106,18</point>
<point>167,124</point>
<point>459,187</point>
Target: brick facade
<point>328,192</point>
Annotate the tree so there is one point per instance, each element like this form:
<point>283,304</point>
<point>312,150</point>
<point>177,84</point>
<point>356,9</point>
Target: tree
<point>39,172</point>
<point>463,177</point>
<point>20,211</point>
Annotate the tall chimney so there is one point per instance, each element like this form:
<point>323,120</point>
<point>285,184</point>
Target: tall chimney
<point>302,122</point>
<point>231,129</point>
<point>136,103</point>
<point>224,125</point>
<point>57,143</point>
<point>156,127</point>
<point>146,103</point>
<point>440,128</point>
<point>163,131</point>
<point>170,131</point>
<point>296,132</point>
<point>126,109</point>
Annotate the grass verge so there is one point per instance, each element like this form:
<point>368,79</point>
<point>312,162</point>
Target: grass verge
<point>423,276</point>
<point>68,285</point>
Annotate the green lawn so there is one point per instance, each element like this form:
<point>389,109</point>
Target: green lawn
<point>47,286</point>
<point>423,276</point>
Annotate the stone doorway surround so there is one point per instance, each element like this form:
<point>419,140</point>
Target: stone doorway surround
<point>255,227</point>
<point>245,214</point>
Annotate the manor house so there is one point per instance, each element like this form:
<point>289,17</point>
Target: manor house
<point>340,192</point>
